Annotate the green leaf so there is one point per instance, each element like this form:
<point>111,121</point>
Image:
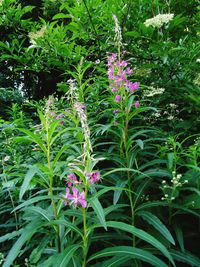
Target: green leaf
<point>157,224</point>
<point>113,262</point>
<point>31,201</point>
<point>96,205</point>
<point>42,212</point>
<point>61,16</point>
<point>70,225</point>
<point>134,253</point>
<point>63,259</point>
<point>179,236</point>
<point>117,193</point>
<point>27,233</point>
<point>10,235</point>
<point>35,138</point>
<point>186,258</point>
<point>29,175</point>
<point>142,235</point>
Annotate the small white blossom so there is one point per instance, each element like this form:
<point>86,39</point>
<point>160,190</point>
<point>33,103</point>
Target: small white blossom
<point>159,20</point>
<point>6,158</point>
<point>153,91</point>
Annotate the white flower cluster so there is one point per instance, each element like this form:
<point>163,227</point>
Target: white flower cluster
<point>35,35</point>
<point>81,112</point>
<point>118,33</point>
<point>198,60</point>
<point>158,20</point>
<point>153,91</point>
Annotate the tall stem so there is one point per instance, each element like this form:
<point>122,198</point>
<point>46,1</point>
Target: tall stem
<point>85,238</point>
<point>48,155</point>
<point>128,173</point>
<point>11,199</point>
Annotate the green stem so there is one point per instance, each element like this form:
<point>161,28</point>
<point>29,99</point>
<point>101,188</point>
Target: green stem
<point>11,199</point>
<point>48,155</point>
<point>84,238</point>
<point>128,173</point>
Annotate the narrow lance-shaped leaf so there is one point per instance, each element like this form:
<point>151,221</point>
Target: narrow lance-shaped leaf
<point>142,235</point>
<point>96,205</point>
<point>132,252</point>
<point>157,224</point>
<point>29,175</point>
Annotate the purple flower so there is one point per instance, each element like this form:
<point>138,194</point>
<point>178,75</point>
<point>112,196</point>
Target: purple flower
<point>137,104</point>
<point>112,58</point>
<point>115,123</point>
<point>114,90</point>
<point>52,113</point>
<point>134,86</point>
<point>129,71</point>
<point>76,197</point>
<point>115,111</point>
<point>71,179</point>
<point>60,116</point>
<point>117,98</point>
<point>94,177</point>
<point>121,63</point>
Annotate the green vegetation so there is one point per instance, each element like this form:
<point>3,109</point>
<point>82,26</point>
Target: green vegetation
<point>99,141</point>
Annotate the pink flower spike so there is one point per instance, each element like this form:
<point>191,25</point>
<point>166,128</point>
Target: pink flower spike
<point>115,111</point>
<point>117,98</point>
<point>137,104</point>
<point>116,123</point>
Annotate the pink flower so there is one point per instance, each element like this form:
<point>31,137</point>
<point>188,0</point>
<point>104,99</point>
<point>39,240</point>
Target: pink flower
<point>134,86</point>
<point>137,104</point>
<point>129,71</point>
<point>114,90</point>
<point>76,197</point>
<point>117,98</point>
<point>94,177</point>
<point>58,117</point>
<point>121,63</point>
<point>115,123</point>
<point>52,113</point>
<point>115,111</point>
<point>71,178</point>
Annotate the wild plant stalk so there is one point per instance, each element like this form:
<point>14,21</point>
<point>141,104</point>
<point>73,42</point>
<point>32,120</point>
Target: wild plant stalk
<point>10,195</point>
<point>46,123</point>
<point>123,97</point>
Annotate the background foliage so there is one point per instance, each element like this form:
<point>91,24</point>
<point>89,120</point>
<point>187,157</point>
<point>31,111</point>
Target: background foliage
<point>145,209</point>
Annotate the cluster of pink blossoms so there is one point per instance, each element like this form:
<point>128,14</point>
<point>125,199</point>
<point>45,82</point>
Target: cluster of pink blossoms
<point>118,73</point>
<point>76,197</point>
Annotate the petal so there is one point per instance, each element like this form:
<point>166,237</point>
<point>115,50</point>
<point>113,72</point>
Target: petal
<point>75,191</point>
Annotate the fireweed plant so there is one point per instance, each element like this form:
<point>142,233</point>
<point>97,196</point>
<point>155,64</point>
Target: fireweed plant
<point>77,188</point>
<point>124,104</point>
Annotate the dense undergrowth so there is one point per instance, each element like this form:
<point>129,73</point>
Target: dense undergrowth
<point>99,133</point>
